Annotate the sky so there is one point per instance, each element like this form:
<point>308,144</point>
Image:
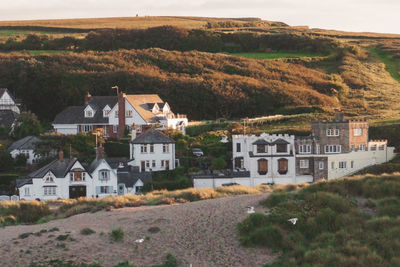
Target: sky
<point>348,15</point>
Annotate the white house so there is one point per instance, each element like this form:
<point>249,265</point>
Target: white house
<point>151,151</point>
<point>7,101</point>
<point>114,114</point>
<point>9,110</point>
<point>68,178</point>
<point>25,146</point>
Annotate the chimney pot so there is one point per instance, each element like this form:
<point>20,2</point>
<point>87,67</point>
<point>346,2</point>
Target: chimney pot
<point>87,98</point>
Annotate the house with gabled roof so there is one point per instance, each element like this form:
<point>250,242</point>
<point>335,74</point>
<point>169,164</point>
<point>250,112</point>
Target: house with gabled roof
<point>115,114</point>
<point>25,146</point>
<point>9,109</point>
<point>152,150</point>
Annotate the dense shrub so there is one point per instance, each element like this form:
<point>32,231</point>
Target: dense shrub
<point>24,211</point>
<point>117,235</point>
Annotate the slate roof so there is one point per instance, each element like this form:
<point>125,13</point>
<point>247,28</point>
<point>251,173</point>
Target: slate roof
<point>143,104</point>
<point>26,143</point>
<point>7,118</point>
<point>130,178</point>
<point>57,167</point>
<point>75,114</point>
<point>152,137</point>
<point>115,162</point>
<point>21,182</point>
<point>280,141</point>
<point>261,142</point>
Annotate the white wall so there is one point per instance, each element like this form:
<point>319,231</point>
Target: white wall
<point>8,103</point>
<point>111,182</point>
<point>361,159</point>
<point>66,128</point>
<point>31,155</point>
<point>158,156</point>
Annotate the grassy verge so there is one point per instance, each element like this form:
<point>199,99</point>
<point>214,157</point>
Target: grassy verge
<point>347,222</point>
<point>392,65</point>
<point>29,212</point>
<point>263,55</point>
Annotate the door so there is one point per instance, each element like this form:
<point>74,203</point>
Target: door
<point>77,191</point>
<point>167,164</point>
<point>143,166</point>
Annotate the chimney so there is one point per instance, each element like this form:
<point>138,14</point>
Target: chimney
<point>61,155</point>
<point>100,152</point>
<point>339,115</point>
<point>87,98</point>
<point>121,115</point>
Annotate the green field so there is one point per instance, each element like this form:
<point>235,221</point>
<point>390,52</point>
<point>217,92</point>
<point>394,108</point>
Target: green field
<point>392,65</point>
<point>263,55</point>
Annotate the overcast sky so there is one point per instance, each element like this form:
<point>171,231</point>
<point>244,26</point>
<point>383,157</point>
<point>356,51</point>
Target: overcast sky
<point>349,15</point>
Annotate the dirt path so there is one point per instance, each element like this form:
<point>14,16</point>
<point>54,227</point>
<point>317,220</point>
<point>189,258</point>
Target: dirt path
<point>200,233</point>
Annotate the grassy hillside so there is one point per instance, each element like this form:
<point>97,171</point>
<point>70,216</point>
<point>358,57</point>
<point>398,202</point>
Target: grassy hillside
<point>202,85</point>
<point>347,222</point>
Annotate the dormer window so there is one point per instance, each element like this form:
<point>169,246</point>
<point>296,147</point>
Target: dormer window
<point>155,109</point>
<point>166,108</point>
<point>88,114</point>
<point>106,111</point>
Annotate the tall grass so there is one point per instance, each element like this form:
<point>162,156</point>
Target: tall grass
<point>333,228</point>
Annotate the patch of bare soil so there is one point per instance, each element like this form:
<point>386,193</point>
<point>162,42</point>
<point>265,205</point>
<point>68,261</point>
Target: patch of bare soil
<point>201,233</point>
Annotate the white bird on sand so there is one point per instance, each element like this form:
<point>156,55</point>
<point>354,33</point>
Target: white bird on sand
<point>293,220</point>
<point>140,240</point>
<point>250,209</point>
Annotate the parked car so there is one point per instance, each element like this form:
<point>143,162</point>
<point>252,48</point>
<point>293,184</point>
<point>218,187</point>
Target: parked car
<point>197,152</point>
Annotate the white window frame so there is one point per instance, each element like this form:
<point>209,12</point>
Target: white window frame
<point>321,165</point>
<point>49,190</point>
<point>87,128</point>
<point>361,147</point>
<point>151,148</point>
<point>116,114</point>
<point>104,175</point>
<point>165,148</point>
<point>318,149</point>
<point>304,164</point>
<point>115,128</point>
<point>153,163</point>
<point>129,113</point>
<point>104,190</point>
<point>88,114</point>
<point>342,164</point>
<point>305,149</point>
<point>333,149</point>
<point>106,113</point>
<point>27,191</point>
<point>143,149</point>
<point>357,132</point>
<point>332,132</point>
<point>147,164</point>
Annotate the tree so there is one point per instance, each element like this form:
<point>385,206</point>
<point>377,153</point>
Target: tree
<point>6,161</point>
<point>219,163</point>
<point>26,124</point>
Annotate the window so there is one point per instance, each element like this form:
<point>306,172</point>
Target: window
<point>49,190</point>
<point>138,189</point>
<point>282,166</point>
<point>281,148</point>
<point>26,189</point>
<point>165,148</point>
<point>304,149</point>
<point>162,163</point>
<point>318,149</point>
<point>352,164</point>
<point>333,148</point>
<point>116,114</point>
<point>104,189</point>
<point>104,175</point>
<point>304,163</point>
<point>167,164</point>
<point>88,113</point>
<point>147,163</point>
<point>106,113</point>
<point>153,163</point>
<point>87,128</point>
<point>239,163</point>
<point>361,147</point>
<point>128,113</point>
<point>49,179</point>
<point>143,149</point>
<point>151,148</point>
<point>77,176</point>
<point>342,164</point>
<point>357,132</point>
<point>382,147</point>
<point>262,149</point>
<point>238,147</point>
<point>262,166</point>
<point>321,165</point>
<point>332,165</point>
<point>332,132</point>
<point>373,148</point>
<point>115,128</point>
